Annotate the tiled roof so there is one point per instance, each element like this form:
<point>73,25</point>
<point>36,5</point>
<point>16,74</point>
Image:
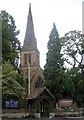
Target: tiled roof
<point>38,92</point>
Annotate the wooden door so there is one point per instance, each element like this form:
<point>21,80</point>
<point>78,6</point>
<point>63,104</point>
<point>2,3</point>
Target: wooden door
<point>44,108</point>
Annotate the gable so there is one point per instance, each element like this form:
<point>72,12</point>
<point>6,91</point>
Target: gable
<point>45,93</point>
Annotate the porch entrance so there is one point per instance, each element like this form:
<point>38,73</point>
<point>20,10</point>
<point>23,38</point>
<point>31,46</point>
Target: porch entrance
<point>44,108</point>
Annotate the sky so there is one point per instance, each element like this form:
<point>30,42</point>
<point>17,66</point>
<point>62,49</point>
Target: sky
<point>67,15</point>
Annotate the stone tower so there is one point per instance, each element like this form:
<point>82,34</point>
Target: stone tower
<point>39,100</point>
<point>30,59</point>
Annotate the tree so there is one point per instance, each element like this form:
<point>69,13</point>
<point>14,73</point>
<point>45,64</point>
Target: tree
<point>10,43</point>
<point>11,88</point>
<point>12,80</point>
<point>73,48</point>
<point>53,69</point>
<point>74,75</point>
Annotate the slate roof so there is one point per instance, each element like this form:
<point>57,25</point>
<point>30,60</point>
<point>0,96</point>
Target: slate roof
<point>38,92</point>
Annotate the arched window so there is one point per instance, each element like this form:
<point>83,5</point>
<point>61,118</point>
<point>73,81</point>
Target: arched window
<point>39,82</point>
<point>30,58</point>
<point>25,59</point>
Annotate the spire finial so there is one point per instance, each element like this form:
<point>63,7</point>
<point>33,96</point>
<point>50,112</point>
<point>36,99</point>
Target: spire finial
<point>29,4</point>
<point>30,7</point>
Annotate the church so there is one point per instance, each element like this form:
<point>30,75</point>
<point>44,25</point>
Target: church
<point>39,100</point>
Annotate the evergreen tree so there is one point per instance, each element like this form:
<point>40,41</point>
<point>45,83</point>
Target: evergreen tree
<point>54,70</point>
<point>10,43</point>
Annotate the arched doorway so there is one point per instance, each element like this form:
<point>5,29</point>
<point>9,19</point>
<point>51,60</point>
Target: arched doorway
<point>44,106</point>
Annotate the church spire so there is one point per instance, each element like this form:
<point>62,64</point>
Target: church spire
<point>30,40</point>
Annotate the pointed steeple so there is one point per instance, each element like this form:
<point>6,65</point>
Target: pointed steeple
<point>30,42</point>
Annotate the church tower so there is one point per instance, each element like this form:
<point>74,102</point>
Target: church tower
<point>30,63</point>
<point>39,100</point>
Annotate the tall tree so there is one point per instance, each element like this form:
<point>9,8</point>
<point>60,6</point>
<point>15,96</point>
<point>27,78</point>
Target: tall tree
<point>73,48</point>
<point>10,43</point>
<point>54,70</point>
<point>12,80</point>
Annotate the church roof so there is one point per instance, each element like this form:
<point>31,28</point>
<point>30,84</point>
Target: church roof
<point>30,42</point>
<point>38,92</point>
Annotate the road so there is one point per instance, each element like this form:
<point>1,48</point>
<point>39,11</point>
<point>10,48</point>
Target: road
<point>56,118</point>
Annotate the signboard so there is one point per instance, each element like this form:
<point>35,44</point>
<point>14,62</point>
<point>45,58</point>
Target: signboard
<point>11,104</point>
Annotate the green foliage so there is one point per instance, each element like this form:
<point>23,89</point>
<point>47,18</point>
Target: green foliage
<point>75,76</point>
<point>65,83</point>
<point>54,70</point>
<point>12,79</point>
<point>54,57</point>
<point>10,87</point>
<point>10,43</point>
<point>69,83</point>
<point>73,47</point>
<point>78,81</point>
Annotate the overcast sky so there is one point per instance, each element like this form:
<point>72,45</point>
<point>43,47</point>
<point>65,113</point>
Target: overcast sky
<point>67,15</point>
